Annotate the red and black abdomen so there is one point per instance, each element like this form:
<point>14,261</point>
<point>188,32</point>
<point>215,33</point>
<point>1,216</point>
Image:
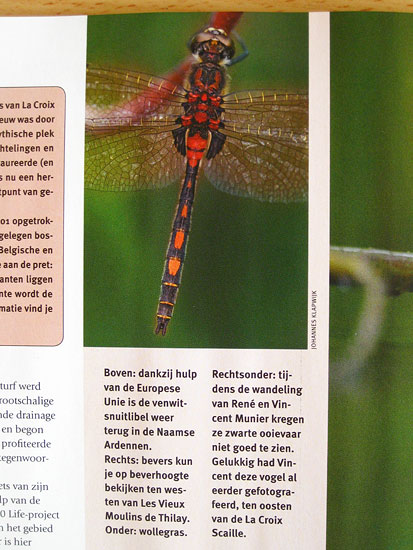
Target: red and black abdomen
<point>175,254</point>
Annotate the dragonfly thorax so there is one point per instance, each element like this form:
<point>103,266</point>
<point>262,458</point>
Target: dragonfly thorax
<point>202,110</point>
<point>207,77</point>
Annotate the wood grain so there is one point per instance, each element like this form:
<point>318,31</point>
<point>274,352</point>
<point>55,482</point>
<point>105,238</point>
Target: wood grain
<point>93,7</point>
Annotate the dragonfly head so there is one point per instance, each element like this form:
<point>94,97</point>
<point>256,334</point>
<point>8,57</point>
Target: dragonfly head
<point>213,45</point>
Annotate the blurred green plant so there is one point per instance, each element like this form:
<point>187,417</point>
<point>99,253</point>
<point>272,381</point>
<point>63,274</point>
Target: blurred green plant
<point>370,436</point>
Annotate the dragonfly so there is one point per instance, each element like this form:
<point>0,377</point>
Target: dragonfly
<point>146,132</point>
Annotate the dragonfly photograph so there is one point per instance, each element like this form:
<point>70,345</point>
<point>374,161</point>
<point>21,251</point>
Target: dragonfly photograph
<point>196,176</point>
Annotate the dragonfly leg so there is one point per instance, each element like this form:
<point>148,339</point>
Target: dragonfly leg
<point>216,144</point>
<point>179,139</point>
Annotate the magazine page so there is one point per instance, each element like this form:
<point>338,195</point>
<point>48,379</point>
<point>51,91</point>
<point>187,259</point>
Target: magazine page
<point>41,265</point>
<point>204,411</point>
<point>207,410</point>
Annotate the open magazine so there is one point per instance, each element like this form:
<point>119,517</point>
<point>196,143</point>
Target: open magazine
<point>134,415</point>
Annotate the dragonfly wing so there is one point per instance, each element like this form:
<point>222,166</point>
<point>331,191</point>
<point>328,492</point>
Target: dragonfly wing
<point>261,110</point>
<point>132,160</point>
<point>129,121</point>
<point>121,93</point>
<point>265,155</point>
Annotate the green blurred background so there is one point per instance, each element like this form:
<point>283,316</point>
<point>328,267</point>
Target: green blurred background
<point>244,283</point>
<point>370,504</point>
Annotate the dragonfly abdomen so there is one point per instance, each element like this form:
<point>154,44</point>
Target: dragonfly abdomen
<point>175,254</point>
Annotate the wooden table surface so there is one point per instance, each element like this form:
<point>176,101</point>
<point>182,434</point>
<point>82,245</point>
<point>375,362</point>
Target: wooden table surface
<point>94,7</point>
